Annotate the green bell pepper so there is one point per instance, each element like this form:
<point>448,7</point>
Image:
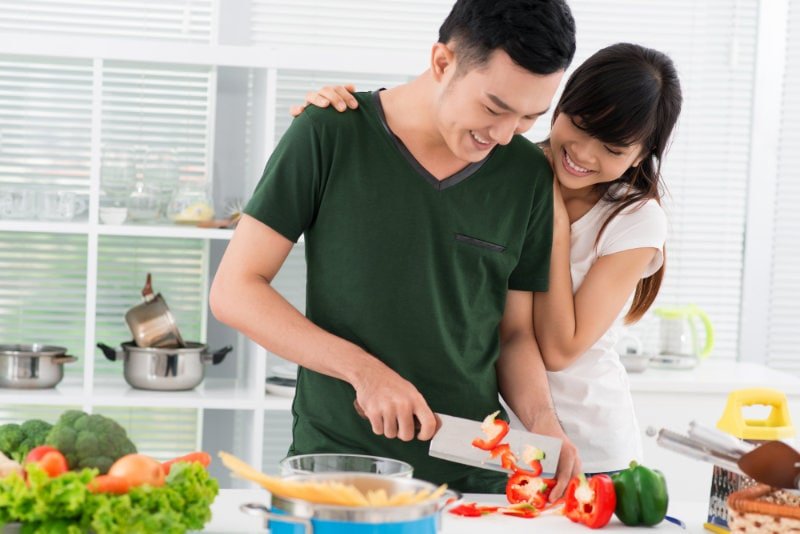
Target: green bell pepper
<point>641,495</point>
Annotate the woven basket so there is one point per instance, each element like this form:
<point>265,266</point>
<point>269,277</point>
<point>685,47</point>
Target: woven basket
<point>762,509</point>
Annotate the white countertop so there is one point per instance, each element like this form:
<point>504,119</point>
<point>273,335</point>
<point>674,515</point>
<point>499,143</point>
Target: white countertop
<point>713,377</point>
<point>228,519</point>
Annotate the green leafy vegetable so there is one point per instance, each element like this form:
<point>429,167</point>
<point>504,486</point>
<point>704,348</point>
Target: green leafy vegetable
<point>17,440</point>
<point>64,505</point>
<point>92,441</point>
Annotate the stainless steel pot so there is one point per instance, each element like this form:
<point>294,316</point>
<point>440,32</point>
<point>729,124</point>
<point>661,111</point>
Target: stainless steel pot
<point>151,322</point>
<point>32,366</point>
<point>165,369</point>
<point>420,518</point>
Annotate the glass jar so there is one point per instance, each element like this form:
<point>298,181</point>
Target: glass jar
<point>143,204</point>
<point>191,203</point>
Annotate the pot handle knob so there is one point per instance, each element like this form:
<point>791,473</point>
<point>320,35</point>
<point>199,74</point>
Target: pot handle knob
<point>109,352</point>
<point>219,355</point>
<point>261,510</point>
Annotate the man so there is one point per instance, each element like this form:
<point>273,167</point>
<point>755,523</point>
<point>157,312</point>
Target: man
<point>428,225</point>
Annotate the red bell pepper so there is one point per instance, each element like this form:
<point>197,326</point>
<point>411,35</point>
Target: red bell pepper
<point>508,459</point>
<point>590,502</point>
<point>524,510</point>
<point>494,429</point>
<point>473,509</point>
<point>523,488</point>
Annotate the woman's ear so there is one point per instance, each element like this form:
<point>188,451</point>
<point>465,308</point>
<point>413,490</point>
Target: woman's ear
<point>442,61</point>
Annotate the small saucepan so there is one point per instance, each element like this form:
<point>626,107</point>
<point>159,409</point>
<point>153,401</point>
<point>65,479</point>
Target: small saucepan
<point>151,322</point>
<point>32,366</point>
<point>165,369</point>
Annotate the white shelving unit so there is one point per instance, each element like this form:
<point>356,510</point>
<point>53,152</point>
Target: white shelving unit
<point>230,69</point>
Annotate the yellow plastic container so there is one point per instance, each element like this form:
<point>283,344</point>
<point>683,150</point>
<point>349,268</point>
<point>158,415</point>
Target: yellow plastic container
<point>777,425</point>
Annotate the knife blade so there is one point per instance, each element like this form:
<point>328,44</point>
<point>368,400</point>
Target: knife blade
<point>453,442</point>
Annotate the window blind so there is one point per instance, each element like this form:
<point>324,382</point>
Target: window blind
<point>45,123</point>
<point>712,43</point>
<point>177,268</point>
<point>155,127</point>
<point>783,335</point>
<point>381,24</point>
<point>174,20</point>
<point>292,87</point>
<point>43,292</point>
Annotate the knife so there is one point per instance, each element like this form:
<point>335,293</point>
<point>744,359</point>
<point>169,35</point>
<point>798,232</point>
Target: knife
<point>453,442</point>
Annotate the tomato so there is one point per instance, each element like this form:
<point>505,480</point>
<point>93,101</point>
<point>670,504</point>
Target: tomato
<point>49,459</point>
<point>36,453</point>
<point>138,470</point>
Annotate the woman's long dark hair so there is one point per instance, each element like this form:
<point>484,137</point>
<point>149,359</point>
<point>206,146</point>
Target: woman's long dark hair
<point>622,95</point>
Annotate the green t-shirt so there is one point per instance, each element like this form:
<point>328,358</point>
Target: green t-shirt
<point>412,269</point>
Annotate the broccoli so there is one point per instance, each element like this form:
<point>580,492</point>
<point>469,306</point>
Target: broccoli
<point>89,440</point>
<point>17,440</point>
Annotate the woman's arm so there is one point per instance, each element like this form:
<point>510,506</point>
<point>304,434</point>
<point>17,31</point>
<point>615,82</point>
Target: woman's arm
<point>566,326</point>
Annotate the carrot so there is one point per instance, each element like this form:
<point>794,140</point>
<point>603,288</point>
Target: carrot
<point>200,457</point>
<point>109,484</point>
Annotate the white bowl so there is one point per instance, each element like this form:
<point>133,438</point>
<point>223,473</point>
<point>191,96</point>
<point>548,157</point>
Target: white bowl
<point>113,215</point>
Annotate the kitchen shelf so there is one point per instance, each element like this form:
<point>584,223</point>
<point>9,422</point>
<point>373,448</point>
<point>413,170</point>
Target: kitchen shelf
<point>167,230</point>
<point>276,402</point>
<point>221,393</point>
<point>68,392</point>
<point>44,227</point>
<point>131,230</point>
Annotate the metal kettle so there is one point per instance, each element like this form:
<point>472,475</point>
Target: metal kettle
<point>679,341</point>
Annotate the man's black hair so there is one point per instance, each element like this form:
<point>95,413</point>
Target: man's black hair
<point>538,35</point>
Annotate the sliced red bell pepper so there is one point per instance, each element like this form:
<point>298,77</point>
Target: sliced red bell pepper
<point>531,456</point>
<point>523,488</point>
<point>590,502</point>
<point>524,510</point>
<point>508,459</point>
<point>494,429</point>
<point>473,509</point>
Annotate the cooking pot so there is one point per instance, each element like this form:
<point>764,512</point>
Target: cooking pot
<point>298,516</point>
<point>151,322</point>
<point>32,366</point>
<point>164,369</point>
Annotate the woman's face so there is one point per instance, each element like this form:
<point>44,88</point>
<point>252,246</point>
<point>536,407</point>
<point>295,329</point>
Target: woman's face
<point>581,161</point>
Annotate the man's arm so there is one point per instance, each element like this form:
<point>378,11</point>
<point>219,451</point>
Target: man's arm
<point>242,297</point>
<point>523,383</point>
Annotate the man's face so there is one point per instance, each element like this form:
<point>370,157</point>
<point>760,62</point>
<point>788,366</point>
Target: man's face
<point>489,104</point>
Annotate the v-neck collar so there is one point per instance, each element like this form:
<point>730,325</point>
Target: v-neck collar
<point>437,184</point>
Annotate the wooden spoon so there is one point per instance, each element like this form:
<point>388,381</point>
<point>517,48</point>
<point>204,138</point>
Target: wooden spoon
<point>774,463</point>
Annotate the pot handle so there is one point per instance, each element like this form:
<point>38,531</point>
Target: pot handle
<point>109,352</point>
<point>60,360</point>
<point>261,510</point>
<point>217,356</point>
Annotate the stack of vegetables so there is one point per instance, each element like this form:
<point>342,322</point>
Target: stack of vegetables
<point>83,474</point>
<point>637,495</point>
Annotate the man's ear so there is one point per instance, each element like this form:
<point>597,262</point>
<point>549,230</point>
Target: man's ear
<point>443,61</point>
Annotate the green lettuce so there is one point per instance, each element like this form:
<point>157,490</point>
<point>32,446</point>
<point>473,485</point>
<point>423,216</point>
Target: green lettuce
<point>64,505</point>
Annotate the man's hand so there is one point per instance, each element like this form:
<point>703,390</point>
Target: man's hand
<point>392,403</point>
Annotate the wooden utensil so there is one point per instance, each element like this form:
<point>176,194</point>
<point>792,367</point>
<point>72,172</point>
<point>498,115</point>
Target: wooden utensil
<point>774,463</point>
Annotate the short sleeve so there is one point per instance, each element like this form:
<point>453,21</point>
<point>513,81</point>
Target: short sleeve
<point>288,195</point>
<point>639,226</point>
<point>532,272</point>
